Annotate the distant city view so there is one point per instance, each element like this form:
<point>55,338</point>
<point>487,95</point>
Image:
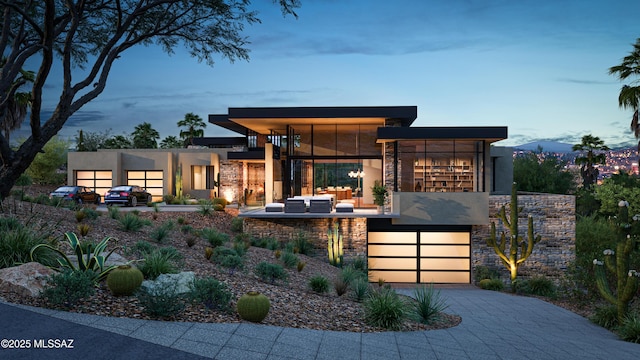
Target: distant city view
<point>625,160</point>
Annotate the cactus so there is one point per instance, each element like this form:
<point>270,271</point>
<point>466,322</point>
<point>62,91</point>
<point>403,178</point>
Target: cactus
<point>124,280</point>
<point>179,182</point>
<point>617,262</point>
<point>253,306</point>
<point>334,245</point>
<point>512,259</point>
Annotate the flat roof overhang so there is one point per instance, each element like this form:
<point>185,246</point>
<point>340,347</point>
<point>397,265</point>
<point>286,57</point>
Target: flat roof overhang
<point>257,154</point>
<point>487,133</point>
<point>220,141</point>
<point>267,119</point>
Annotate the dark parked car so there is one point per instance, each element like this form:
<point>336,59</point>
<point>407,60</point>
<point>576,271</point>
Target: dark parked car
<point>128,195</point>
<point>79,194</point>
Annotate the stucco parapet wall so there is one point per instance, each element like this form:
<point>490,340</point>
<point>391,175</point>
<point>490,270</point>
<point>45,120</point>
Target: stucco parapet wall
<point>459,208</point>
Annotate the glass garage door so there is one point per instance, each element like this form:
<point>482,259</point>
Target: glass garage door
<point>150,179</point>
<point>420,257</point>
<point>98,180</point>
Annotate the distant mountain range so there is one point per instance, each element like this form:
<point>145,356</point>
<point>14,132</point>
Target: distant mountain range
<point>547,146</point>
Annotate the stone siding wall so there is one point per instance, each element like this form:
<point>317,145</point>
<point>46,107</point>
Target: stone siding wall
<point>553,219</point>
<point>354,232</point>
<point>231,179</point>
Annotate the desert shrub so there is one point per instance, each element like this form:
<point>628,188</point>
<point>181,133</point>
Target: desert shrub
<point>160,234</point>
<point>114,212</point>
<point>42,199</point>
<point>538,285</point>
<point>211,293</point>
<point>83,229</point>
<point>629,330</point>
<point>218,207</point>
<point>289,259</point>
<point>319,284</point>
<point>161,301</point>
<point>68,287</point>
<point>270,273</point>
<point>223,251</point>
<point>159,262</point>
<point>142,248</point>
<point>240,247</point>
<point>16,242</point>
<point>132,222</point>
<point>302,243</point>
<point>605,316</point>
<point>360,289</point>
<point>190,240</point>
<point>168,198</point>
<point>237,224</point>
<point>300,266</point>
<point>349,274</point>
<point>385,309</point>
<point>290,247</point>
<point>231,262</point>
<point>220,201</point>
<point>340,286</point>
<point>359,263</point>
<point>428,304</point>
<point>491,284</point>
<point>205,208</point>
<point>90,213</point>
<point>266,243</point>
<point>80,215</point>
<point>186,229</point>
<point>182,221</point>
<point>214,237</point>
<point>481,272</point>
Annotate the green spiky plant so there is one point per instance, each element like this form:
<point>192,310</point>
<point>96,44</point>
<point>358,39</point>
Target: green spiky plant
<point>334,245</point>
<point>93,260</point>
<point>518,249</point>
<point>617,262</point>
<point>179,182</point>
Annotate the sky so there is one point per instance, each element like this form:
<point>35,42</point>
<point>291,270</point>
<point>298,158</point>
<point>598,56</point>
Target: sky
<point>538,67</point>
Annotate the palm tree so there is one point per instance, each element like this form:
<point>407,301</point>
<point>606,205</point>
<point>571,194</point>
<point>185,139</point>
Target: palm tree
<point>194,127</point>
<point>145,137</point>
<point>629,96</point>
<point>590,144</point>
<point>15,112</point>
<point>171,142</point>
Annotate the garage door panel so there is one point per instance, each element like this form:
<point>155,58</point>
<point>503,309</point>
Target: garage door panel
<point>393,250</point>
<point>445,277</point>
<point>393,263</point>
<point>392,238</point>
<point>393,276</point>
<point>444,238</point>
<point>445,250</point>
<point>446,264</point>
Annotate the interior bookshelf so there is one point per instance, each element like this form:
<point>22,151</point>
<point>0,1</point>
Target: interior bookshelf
<point>443,175</point>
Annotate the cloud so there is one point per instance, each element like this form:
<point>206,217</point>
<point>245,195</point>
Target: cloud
<point>584,82</point>
<point>128,105</point>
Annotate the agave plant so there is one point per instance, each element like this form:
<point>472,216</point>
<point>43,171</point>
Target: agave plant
<point>93,260</point>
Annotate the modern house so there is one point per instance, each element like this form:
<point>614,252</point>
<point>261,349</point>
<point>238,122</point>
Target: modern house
<point>439,180</point>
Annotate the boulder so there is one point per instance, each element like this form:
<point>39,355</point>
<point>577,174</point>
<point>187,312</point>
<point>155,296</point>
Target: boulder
<point>179,281</point>
<point>27,279</point>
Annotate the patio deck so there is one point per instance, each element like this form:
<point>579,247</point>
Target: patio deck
<point>357,213</point>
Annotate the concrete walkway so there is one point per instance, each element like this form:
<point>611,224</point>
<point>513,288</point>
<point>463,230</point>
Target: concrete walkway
<point>494,326</point>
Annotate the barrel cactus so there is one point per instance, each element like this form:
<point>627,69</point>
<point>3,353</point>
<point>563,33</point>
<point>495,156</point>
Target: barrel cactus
<point>124,280</point>
<point>253,306</point>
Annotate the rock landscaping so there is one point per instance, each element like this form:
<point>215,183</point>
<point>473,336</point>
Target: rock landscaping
<point>177,235</point>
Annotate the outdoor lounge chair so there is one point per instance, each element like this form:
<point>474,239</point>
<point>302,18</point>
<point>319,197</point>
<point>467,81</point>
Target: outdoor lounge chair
<point>320,206</point>
<point>294,206</point>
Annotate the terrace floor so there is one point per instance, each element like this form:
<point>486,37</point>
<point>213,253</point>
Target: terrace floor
<point>260,213</point>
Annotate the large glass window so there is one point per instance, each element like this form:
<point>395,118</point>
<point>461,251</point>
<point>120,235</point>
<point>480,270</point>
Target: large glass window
<point>441,165</point>
<point>202,177</point>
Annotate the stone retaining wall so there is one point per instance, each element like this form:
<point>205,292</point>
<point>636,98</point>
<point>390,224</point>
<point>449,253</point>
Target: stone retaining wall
<point>353,230</point>
<point>553,215</point>
<point>553,219</point>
